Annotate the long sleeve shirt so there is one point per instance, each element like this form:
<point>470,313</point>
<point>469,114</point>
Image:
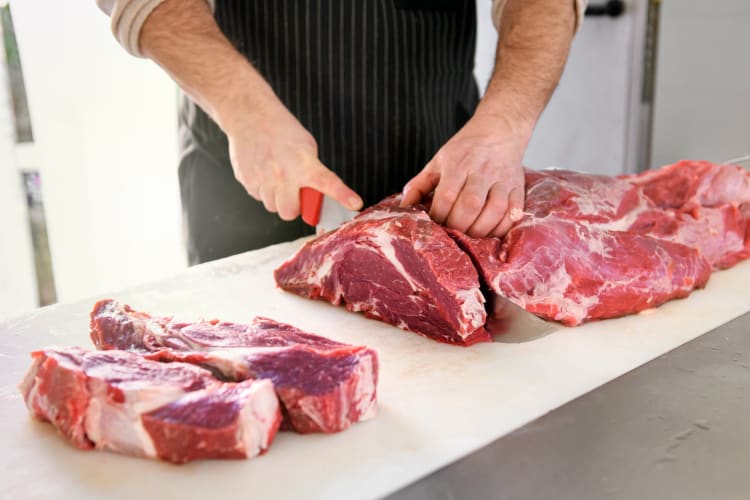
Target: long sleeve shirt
<point>127,18</point>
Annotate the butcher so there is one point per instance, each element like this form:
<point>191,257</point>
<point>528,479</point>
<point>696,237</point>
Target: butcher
<point>357,100</point>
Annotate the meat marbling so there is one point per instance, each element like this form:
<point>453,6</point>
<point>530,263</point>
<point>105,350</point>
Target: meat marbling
<point>395,265</point>
<point>323,385</point>
<point>588,247</point>
<point>119,401</point>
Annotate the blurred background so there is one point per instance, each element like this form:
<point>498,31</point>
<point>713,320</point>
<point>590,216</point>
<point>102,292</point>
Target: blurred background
<point>89,199</point>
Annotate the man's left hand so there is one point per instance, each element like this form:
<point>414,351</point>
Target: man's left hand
<point>477,178</point>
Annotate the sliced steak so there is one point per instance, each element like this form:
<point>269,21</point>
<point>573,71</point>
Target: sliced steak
<point>323,385</point>
<point>119,401</point>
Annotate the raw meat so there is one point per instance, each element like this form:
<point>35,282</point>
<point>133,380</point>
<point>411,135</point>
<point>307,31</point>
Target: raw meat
<point>719,233</point>
<point>698,204</point>
<point>323,385</point>
<point>587,247</point>
<point>119,401</point>
<point>592,247</point>
<point>571,272</point>
<point>687,184</point>
<point>395,265</point>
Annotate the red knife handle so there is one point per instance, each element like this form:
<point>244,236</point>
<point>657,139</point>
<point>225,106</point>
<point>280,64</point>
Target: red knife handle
<point>310,202</point>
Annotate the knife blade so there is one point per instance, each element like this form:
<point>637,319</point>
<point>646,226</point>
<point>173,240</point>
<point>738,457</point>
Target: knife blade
<point>512,324</point>
<point>322,211</point>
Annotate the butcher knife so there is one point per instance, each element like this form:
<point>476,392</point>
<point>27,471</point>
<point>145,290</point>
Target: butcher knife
<point>322,211</point>
<point>512,324</point>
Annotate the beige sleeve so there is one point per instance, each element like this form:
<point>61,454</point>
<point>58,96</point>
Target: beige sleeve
<point>498,5</point>
<point>127,18</point>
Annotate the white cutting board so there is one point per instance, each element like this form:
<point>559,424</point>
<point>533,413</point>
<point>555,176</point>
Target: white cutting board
<point>437,402</point>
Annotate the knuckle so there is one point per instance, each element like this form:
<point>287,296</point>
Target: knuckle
<point>252,190</point>
<point>487,169</point>
<point>518,200</point>
<point>328,179</point>
<point>437,213</point>
<point>287,215</point>
<point>499,205</point>
<point>476,232</point>
<point>277,170</point>
<point>269,206</point>
<point>241,177</point>
<point>446,194</point>
<point>474,201</point>
<point>311,143</point>
<point>499,202</point>
<point>440,157</point>
<point>501,229</point>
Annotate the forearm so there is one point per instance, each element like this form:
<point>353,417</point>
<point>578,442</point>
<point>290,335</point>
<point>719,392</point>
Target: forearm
<point>184,39</point>
<point>533,44</point>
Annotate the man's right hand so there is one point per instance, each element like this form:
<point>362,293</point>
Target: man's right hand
<point>273,156</point>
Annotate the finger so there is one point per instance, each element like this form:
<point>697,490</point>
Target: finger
<point>516,203</point>
<point>328,183</point>
<point>513,213</point>
<point>268,197</point>
<point>492,213</point>
<point>469,204</point>
<point>420,185</point>
<point>252,188</point>
<point>287,202</point>
<point>446,193</point>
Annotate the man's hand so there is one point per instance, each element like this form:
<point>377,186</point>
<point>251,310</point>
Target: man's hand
<point>273,156</point>
<point>476,176</point>
<point>477,179</point>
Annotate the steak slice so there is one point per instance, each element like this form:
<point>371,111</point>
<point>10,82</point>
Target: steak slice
<point>323,385</point>
<point>119,401</point>
<point>395,265</point>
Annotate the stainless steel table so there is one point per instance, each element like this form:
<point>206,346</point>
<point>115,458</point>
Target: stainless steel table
<point>675,428</point>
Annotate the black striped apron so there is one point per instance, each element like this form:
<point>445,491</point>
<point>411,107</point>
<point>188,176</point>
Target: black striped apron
<point>380,84</point>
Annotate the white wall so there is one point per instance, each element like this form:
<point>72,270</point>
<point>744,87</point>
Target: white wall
<point>585,126</point>
<point>105,130</point>
<point>703,81</point>
<point>17,279</point>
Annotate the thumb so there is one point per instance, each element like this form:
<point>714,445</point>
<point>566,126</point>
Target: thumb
<point>420,186</point>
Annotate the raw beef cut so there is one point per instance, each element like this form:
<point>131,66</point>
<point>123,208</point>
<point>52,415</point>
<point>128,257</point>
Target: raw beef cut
<point>592,247</point>
<point>719,233</point>
<point>581,197</point>
<point>119,401</point>
<point>588,247</point>
<point>687,184</point>
<point>395,265</point>
<point>571,272</point>
<point>700,205</point>
<point>323,385</point>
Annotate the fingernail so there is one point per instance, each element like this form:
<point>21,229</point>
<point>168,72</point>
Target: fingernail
<point>354,203</point>
<point>516,214</point>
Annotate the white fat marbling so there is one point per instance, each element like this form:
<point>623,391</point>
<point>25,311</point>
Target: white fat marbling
<point>258,416</point>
